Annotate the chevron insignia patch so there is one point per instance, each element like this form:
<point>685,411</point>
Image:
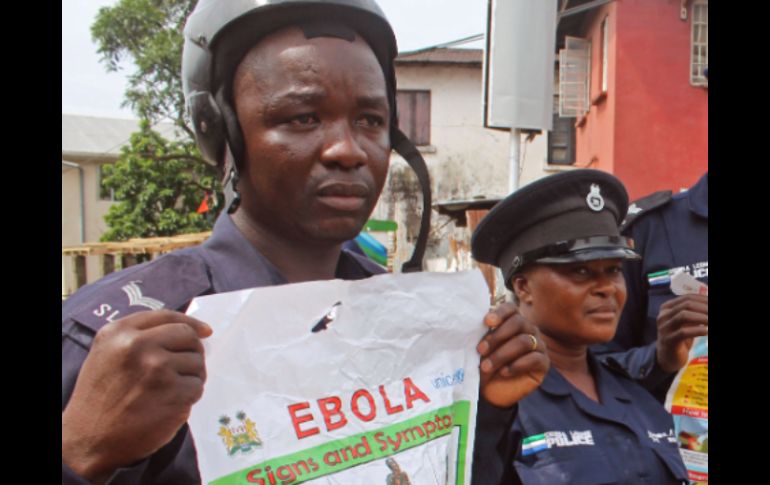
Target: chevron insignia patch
<point>135,297</point>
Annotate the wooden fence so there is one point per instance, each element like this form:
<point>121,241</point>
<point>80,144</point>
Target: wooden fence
<point>118,255</point>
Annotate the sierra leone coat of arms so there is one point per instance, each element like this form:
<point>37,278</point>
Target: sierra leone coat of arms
<point>242,437</point>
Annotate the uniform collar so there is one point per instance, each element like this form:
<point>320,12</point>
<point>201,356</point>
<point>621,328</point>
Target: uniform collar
<point>607,383</point>
<point>235,264</point>
<point>698,195</point>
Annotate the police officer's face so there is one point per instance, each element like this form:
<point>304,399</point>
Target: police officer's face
<point>314,115</point>
<point>576,303</point>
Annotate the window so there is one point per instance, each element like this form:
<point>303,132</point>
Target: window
<point>104,192</point>
<point>414,115</point>
<point>561,139</point>
<point>605,52</point>
<point>699,53</point>
<point>574,77</point>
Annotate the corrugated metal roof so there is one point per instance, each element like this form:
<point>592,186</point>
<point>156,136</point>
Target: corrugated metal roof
<point>95,137</point>
<point>442,55</point>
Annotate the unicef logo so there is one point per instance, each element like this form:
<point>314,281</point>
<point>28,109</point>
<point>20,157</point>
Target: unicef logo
<point>449,380</point>
<point>594,199</point>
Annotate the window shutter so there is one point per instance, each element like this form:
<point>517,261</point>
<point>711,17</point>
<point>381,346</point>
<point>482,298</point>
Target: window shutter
<point>422,118</point>
<point>574,77</point>
<point>414,115</point>
<point>405,103</point>
<point>699,59</point>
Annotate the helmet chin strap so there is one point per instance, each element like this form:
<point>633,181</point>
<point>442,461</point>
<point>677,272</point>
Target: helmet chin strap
<point>234,151</point>
<point>404,147</point>
<point>230,183</point>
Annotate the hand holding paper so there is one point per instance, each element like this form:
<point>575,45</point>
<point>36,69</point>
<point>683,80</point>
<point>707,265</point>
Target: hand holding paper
<point>680,320</point>
<point>687,398</point>
<point>513,364</point>
<point>135,391</point>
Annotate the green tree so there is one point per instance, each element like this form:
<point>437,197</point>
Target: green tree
<point>158,190</point>
<point>158,183</point>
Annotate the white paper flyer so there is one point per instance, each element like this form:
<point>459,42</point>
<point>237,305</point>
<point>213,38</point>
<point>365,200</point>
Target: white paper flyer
<point>342,382</point>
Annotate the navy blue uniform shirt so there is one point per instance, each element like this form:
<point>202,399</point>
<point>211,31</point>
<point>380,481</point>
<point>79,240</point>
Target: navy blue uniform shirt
<point>560,436</point>
<point>668,236</point>
<point>225,262</point>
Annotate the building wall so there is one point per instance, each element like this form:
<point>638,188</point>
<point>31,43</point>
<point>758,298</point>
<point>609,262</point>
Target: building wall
<point>465,161</point>
<point>70,222</point>
<point>595,138</point>
<point>95,210</point>
<point>661,124</point>
<point>70,206</point>
<point>469,160</point>
<point>651,129</point>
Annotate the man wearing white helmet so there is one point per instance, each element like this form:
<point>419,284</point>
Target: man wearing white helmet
<point>299,113</point>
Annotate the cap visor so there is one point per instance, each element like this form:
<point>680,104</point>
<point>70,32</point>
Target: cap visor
<point>591,255</point>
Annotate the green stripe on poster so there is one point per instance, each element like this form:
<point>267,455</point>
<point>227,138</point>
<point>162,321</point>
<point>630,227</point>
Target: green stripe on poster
<point>342,454</point>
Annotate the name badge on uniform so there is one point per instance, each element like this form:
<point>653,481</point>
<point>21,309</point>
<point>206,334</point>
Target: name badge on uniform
<point>555,439</point>
<point>663,278</point>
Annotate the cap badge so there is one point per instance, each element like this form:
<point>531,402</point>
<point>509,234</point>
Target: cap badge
<point>516,263</point>
<point>594,199</point>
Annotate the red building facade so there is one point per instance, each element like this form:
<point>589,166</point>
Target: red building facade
<point>647,119</point>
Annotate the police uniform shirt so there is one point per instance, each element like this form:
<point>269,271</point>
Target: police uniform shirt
<point>669,233</point>
<point>560,436</point>
<point>225,262</point>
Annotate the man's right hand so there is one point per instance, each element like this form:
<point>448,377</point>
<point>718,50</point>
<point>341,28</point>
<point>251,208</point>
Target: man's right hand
<point>135,390</point>
<point>680,320</point>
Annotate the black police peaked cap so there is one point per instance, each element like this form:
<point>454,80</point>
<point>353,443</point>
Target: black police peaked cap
<point>563,218</point>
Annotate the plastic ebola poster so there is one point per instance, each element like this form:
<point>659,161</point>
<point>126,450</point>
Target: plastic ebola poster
<point>342,382</point>
<point>688,398</point>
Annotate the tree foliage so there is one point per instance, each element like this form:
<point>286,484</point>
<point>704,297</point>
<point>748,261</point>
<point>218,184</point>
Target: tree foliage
<point>157,191</point>
<point>149,34</point>
<point>158,183</point>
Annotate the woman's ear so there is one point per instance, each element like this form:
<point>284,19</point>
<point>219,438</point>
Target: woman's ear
<point>522,289</point>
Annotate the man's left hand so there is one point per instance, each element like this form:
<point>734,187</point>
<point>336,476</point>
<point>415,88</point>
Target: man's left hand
<point>513,358</point>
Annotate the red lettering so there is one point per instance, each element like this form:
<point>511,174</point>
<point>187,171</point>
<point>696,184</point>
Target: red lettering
<point>438,422</point>
<point>447,420</point>
<point>330,407</point>
<point>388,408</point>
<point>412,393</point>
<point>285,474</point>
<point>270,475</point>
<point>252,477</point>
<point>357,411</point>
<point>297,420</point>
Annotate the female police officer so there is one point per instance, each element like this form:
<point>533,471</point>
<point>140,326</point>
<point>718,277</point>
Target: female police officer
<point>557,243</point>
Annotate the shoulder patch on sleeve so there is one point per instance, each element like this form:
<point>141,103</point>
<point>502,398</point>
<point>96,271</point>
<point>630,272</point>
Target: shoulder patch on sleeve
<point>644,205</point>
<point>167,282</point>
